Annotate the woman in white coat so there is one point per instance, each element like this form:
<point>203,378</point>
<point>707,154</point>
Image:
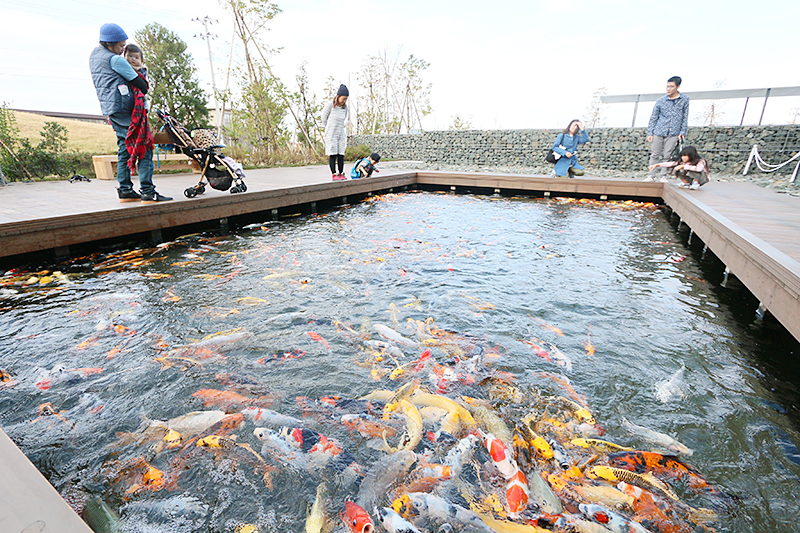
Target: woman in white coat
<point>334,115</point>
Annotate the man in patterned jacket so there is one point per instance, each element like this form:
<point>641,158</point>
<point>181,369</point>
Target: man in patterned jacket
<point>668,124</point>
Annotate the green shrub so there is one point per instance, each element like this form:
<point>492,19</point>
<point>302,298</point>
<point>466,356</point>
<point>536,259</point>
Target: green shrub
<point>351,153</point>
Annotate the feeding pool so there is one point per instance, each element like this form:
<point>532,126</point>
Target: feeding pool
<point>527,294</point>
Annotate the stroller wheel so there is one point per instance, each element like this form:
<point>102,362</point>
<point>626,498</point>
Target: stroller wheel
<point>201,189</point>
<point>243,187</point>
<point>236,189</point>
<point>191,192</point>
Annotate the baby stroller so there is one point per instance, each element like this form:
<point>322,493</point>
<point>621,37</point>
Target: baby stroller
<point>222,172</point>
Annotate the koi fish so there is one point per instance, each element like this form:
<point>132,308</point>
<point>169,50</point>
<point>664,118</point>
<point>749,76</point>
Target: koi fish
<point>86,372</point>
<point>321,452</point>
<point>91,341</point>
<point>638,461</point>
<point>588,346</point>
<point>315,518</point>
<point>251,300</point>
<point>604,495</point>
<point>382,474</point>
<point>599,445</point>
<point>262,417</point>
<point>565,384</point>
<point>439,511</point>
<point>549,327</point>
<point>413,434</point>
<point>171,296</point>
<point>555,355</point>
<point>390,334</point>
<point>517,494</point>
<point>317,337</point>
<point>47,409</point>
<point>138,475</point>
<point>6,380</point>
<point>654,437</point>
<point>611,520</point>
<point>646,481</point>
<point>356,518</point>
<point>230,401</point>
<point>393,522</point>
<point>281,357</point>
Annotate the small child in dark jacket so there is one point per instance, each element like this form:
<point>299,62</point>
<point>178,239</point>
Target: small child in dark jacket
<point>365,166</point>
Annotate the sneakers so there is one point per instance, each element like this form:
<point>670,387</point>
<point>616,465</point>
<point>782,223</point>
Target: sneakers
<point>649,178</point>
<point>128,196</point>
<point>683,185</point>
<point>664,179</point>
<point>154,197</point>
<point>338,177</point>
<point>695,185</point>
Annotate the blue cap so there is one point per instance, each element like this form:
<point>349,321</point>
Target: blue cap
<point>343,90</point>
<point>112,33</point>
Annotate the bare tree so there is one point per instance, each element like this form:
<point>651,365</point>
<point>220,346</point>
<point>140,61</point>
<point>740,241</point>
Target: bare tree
<point>594,111</point>
<point>394,96</point>
<point>713,111</point>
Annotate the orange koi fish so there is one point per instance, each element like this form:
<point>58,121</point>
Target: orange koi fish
<point>91,341</point>
<point>646,506</point>
<point>87,371</point>
<point>112,353</point>
<point>356,518</point>
<point>317,337</point>
<point>588,344</point>
<point>119,329</point>
<point>230,401</point>
<point>171,296</point>
<point>565,385</point>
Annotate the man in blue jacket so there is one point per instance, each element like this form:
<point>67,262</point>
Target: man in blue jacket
<point>113,78</point>
<point>668,123</point>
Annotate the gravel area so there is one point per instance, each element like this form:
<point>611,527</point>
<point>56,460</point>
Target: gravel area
<point>779,182</point>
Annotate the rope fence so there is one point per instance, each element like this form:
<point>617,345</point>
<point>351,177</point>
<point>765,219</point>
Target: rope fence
<point>763,166</point>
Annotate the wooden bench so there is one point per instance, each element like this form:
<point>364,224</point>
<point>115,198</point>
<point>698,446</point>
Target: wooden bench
<point>105,166</point>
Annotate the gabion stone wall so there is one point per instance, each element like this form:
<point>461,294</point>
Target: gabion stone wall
<point>726,148</point>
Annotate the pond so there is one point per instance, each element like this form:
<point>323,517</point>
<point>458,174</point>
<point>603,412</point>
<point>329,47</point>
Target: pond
<point>603,303</point>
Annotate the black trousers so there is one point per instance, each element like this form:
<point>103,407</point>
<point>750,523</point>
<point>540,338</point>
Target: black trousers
<point>334,160</point>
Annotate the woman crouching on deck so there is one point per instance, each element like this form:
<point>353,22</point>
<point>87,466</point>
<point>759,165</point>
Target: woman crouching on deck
<point>566,145</point>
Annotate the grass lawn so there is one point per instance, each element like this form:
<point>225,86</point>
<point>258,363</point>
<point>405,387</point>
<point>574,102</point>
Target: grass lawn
<point>96,139</point>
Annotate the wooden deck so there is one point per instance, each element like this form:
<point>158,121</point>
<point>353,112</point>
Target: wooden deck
<point>754,231</point>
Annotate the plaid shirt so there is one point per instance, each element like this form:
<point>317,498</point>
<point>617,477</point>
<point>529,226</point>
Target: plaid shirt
<point>139,139</point>
<point>670,117</point>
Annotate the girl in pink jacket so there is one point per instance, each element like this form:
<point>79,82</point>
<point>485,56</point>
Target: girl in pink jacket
<point>691,169</point>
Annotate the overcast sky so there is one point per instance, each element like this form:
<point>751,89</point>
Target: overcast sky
<point>501,64</point>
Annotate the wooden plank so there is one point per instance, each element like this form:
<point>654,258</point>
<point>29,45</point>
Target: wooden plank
<point>769,273</point>
<point>27,500</point>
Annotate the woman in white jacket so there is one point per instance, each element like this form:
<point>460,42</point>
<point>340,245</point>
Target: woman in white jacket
<point>334,115</point>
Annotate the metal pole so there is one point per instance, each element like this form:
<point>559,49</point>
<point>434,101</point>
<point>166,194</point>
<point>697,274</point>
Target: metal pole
<point>745,110</point>
<point>766,97</point>
<point>635,108</point>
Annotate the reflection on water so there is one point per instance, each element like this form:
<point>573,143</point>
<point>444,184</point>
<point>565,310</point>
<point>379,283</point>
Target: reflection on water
<point>287,310</point>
